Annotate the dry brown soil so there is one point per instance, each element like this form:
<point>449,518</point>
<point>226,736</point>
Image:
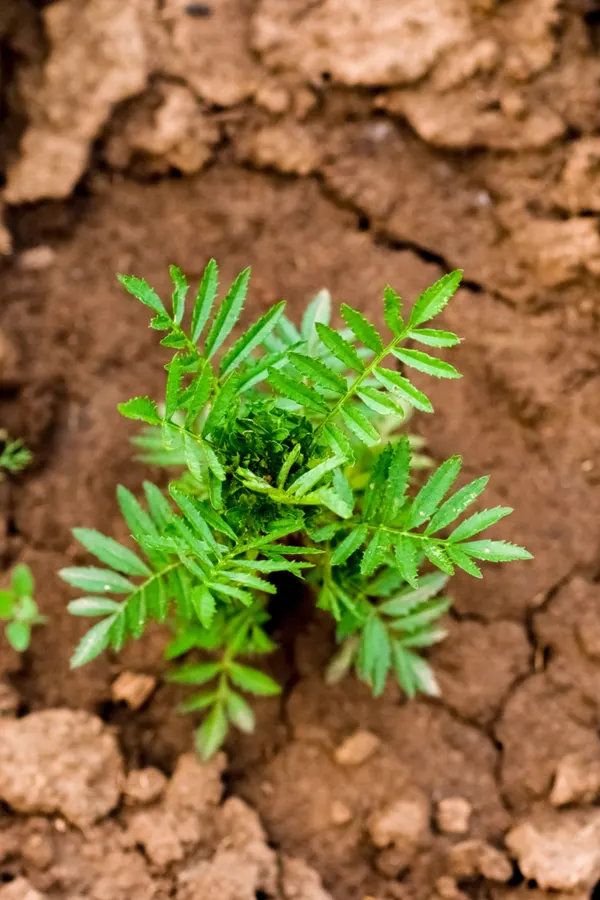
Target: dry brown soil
<point>347,144</point>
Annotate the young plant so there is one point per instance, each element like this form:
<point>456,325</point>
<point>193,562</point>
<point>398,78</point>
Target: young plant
<point>14,455</point>
<point>293,462</point>
<point>19,609</point>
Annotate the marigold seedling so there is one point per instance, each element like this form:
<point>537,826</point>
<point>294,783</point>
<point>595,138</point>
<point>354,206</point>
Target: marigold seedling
<point>291,458</point>
<point>19,609</point>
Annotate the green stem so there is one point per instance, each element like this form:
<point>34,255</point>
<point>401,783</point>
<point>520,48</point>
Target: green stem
<point>368,370</point>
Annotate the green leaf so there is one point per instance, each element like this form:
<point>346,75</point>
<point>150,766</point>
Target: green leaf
<point>21,581</point>
<point>423,362</point>
<point>142,291</point>
<point>92,643</point>
<point>139,522</point>
<point>205,299</point>
<point>413,673</point>
<point>204,604</point>
<point>251,581</point>
<point>304,483</point>
<point>18,635</point>
<point>288,462</point>
<point>318,372</point>
<point>438,556</point>
<point>407,559</point>
<point>223,404</point>
<point>349,545</point>
<point>374,654</point>
<point>433,492</point>
<point>495,551</point>
<point>254,336</point>
<point>195,673</point>
<point>141,408</point>
<point>394,381</point>
<point>360,426</point>
<point>407,600</point>
<point>318,312</point>
<point>364,331</point>
<point>181,288</point>
<point>374,553</point>
<point>424,615</point>
<point>479,522</point>
<point>434,338</point>
<point>197,702</point>
<point>228,590</point>
<point>435,298</point>
<point>426,637</point>
<point>392,307</point>
<point>89,578</point>
<point>240,714</point>
<point>175,374</point>
<point>111,552</point>
<point>199,396</point>
<point>456,505</point>
<point>463,561</point>
<point>341,349</point>
<point>158,505</point>
<point>195,457</point>
<point>227,314</point>
<point>93,606</point>
<point>7,603</point>
<point>252,680</point>
<point>194,513</point>
<point>296,391</point>
<point>212,733</point>
<point>381,403</point>
<point>396,483</point>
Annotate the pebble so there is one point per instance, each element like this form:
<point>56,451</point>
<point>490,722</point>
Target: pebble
<point>403,822</point>
<point>144,786</point>
<point>473,858</point>
<point>36,259</point>
<point>340,813</point>
<point>133,688</point>
<point>357,748</point>
<point>577,779</point>
<point>453,815</point>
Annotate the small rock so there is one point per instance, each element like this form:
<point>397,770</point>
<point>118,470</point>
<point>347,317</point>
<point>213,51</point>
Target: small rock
<point>38,851</point>
<point>577,779</point>
<point>133,688</point>
<point>453,815</point>
<point>470,859</point>
<point>36,259</point>
<point>357,748</point>
<point>559,850</point>
<point>301,882</point>
<point>60,761</point>
<point>340,813</point>
<point>403,823</point>
<point>144,786</point>
<point>19,889</point>
<point>447,888</point>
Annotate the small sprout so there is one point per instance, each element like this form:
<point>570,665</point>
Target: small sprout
<point>14,455</point>
<point>289,454</point>
<point>19,609</point>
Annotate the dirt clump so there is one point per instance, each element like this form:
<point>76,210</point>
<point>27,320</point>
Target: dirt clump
<point>559,850</point>
<point>60,761</point>
<point>357,748</point>
<point>97,58</point>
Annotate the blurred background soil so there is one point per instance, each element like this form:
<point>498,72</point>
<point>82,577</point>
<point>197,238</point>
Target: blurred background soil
<point>342,144</point>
